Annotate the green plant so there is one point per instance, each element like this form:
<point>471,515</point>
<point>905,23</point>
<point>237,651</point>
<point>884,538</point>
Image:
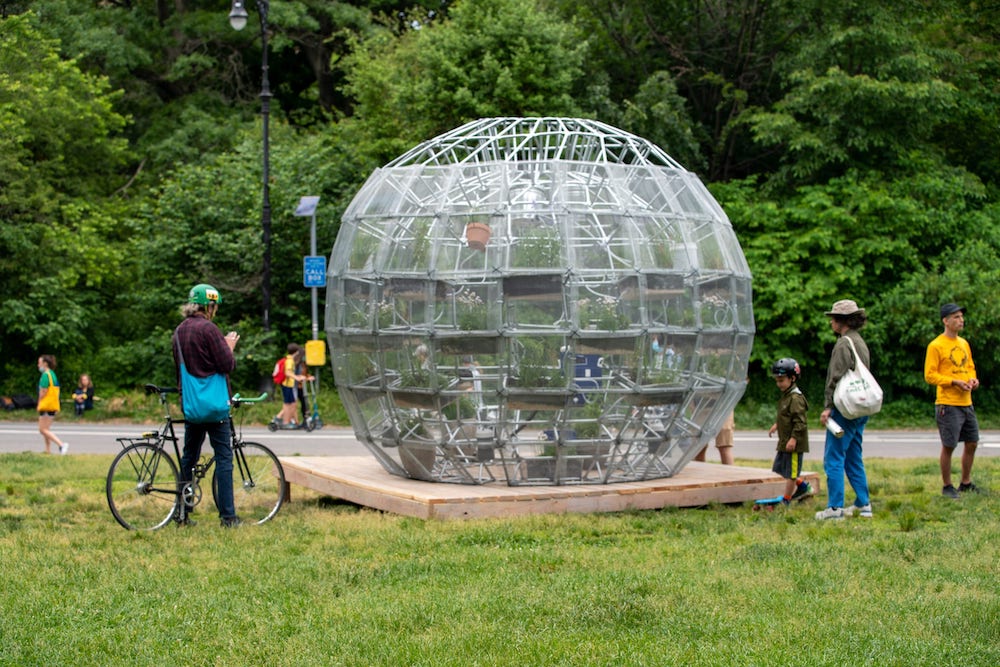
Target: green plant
<point>462,409</point>
<point>590,413</point>
<point>662,248</point>
<point>358,318</point>
<point>363,249</point>
<point>717,364</point>
<point>602,312</point>
<point>538,248</point>
<point>421,242</point>
<point>668,376</point>
<point>536,367</point>
<point>415,377</point>
<point>385,312</point>
<point>471,311</point>
<point>422,378</point>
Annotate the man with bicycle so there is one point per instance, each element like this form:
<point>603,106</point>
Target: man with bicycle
<point>201,349</point>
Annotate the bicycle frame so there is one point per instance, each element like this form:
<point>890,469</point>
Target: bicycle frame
<point>142,457</point>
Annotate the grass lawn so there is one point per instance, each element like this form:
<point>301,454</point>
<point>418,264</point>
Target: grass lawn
<point>327,583</point>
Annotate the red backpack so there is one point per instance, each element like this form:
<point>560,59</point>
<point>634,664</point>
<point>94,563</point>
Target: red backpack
<point>278,374</point>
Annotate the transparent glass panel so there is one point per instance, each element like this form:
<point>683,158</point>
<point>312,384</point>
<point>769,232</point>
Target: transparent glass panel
<point>534,302</point>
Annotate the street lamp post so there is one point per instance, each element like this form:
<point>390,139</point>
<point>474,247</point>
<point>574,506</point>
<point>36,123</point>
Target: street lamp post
<point>238,20</point>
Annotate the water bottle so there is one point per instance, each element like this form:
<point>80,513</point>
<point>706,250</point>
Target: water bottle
<point>835,428</point>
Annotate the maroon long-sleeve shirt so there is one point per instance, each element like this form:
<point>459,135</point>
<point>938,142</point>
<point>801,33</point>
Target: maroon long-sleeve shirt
<point>204,348</point>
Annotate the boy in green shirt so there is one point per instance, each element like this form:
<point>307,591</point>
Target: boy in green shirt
<point>792,428</point>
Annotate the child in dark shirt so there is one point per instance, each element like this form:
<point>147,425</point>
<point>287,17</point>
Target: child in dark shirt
<point>83,395</point>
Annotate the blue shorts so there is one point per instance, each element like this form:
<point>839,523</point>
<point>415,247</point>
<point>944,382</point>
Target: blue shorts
<point>289,395</point>
<point>956,423</point>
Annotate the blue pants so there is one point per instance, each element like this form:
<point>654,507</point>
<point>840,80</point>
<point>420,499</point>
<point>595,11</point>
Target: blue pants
<point>843,456</point>
<point>220,436</point>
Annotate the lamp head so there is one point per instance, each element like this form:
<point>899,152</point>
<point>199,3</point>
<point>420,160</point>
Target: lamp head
<point>238,15</point>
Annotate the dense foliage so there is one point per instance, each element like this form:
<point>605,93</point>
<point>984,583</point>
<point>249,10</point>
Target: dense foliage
<point>854,145</point>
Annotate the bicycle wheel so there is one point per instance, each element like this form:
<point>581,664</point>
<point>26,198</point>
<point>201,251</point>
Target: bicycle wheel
<point>142,487</point>
<point>258,482</point>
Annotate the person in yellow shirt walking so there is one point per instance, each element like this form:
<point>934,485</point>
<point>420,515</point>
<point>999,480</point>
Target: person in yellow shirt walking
<point>949,367</point>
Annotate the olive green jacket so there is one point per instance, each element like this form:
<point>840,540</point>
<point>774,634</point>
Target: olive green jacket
<point>792,420</point>
<point>842,360</point>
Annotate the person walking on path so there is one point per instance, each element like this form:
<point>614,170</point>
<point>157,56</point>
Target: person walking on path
<point>842,455</point>
<point>48,403</point>
<point>206,352</point>
<point>949,367</point>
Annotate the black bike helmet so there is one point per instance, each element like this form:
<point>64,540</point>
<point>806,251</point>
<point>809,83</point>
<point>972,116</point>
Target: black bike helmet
<point>787,367</point>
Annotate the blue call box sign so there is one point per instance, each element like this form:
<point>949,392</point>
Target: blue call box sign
<point>314,271</point>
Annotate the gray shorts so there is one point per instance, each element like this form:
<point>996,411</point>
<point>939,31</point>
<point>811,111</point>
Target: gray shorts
<point>956,424</point>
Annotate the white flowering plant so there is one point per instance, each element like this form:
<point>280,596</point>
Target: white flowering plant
<point>602,312</point>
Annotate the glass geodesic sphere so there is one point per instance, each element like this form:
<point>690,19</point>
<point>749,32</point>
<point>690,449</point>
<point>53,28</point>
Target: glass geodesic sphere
<point>537,301</point>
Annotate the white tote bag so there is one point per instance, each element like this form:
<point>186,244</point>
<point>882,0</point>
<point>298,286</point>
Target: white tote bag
<point>857,393</point>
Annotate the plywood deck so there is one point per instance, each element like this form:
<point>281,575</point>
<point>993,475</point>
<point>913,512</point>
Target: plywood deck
<point>363,481</point>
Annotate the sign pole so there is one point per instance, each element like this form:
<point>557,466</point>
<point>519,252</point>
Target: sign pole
<point>314,266</point>
<point>315,301</point>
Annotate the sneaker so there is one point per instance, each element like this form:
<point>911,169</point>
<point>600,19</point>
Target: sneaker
<point>830,513</point>
<point>802,491</point>
<point>232,522</point>
<point>865,511</point>
<point>962,488</point>
<point>63,448</point>
<point>949,492</point>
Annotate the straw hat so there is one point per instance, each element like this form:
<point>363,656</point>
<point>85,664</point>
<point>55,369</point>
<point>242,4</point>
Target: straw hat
<point>845,308</point>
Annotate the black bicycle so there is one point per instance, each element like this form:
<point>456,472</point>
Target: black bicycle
<point>145,491</point>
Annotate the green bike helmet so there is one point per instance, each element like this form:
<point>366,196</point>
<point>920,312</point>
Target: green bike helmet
<point>204,294</point>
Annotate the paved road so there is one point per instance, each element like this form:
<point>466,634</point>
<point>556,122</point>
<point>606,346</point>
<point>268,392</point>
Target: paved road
<point>340,441</point>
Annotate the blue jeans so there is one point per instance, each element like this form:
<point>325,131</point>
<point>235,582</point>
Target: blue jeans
<point>843,456</point>
<point>220,436</point>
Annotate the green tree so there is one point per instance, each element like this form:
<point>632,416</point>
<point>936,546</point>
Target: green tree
<point>857,236</point>
<point>721,57</point>
<point>866,194</point>
<point>865,93</point>
<point>61,247</point>
<point>908,313</point>
<point>492,58</point>
<point>203,224</point>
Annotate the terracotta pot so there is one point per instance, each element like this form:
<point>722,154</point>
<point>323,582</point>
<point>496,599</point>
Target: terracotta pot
<point>477,235</point>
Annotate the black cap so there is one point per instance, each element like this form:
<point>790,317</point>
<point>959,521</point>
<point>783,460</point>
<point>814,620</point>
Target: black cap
<point>950,309</point>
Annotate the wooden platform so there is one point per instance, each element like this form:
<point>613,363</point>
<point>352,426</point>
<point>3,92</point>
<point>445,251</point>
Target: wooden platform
<point>363,481</point>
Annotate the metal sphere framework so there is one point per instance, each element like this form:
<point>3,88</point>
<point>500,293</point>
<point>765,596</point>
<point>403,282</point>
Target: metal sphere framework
<point>537,301</point>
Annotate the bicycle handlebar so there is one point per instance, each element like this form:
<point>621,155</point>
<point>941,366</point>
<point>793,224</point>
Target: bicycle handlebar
<point>237,399</point>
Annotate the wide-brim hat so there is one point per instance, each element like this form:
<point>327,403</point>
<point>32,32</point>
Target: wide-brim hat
<point>949,309</point>
<point>845,308</point>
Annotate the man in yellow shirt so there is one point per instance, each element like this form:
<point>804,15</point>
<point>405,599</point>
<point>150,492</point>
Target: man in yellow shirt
<point>949,367</point>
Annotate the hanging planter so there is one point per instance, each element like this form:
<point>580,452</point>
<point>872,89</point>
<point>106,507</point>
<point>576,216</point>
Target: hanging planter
<point>477,235</point>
